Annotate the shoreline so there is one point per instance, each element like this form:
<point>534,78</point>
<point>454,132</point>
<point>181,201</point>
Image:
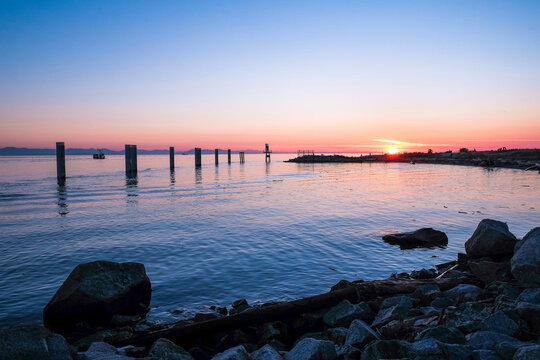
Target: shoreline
<point>488,296</point>
<point>527,159</point>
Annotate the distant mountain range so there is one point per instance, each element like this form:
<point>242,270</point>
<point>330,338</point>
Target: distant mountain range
<point>16,151</point>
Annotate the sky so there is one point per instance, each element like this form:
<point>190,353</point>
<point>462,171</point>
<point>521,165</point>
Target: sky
<point>332,76</point>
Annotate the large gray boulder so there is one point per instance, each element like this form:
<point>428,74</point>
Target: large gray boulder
<point>501,323</point>
<point>94,292</point>
<point>466,292</point>
<point>385,315</point>
<point>443,334</point>
<point>343,313</point>
<point>312,349</point>
<point>530,313</point>
<point>530,295</point>
<point>528,353</point>
<point>236,353</point>
<point>102,351</point>
<point>32,342</point>
<point>387,349</point>
<point>488,270</point>
<point>425,237</point>
<point>266,353</point>
<point>525,263</point>
<point>359,334</point>
<point>164,349</point>
<point>491,239</point>
<point>487,340</point>
<point>431,349</point>
<point>467,317</point>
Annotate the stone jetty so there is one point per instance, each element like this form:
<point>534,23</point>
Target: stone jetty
<point>525,159</point>
<point>483,305</point>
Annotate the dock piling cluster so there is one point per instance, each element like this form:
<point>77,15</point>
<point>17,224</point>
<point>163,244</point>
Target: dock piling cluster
<point>131,159</point>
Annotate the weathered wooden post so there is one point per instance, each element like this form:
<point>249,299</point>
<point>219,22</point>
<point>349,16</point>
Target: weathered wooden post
<point>267,152</point>
<point>171,158</point>
<point>229,156</point>
<point>242,157</point>
<point>217,156</point>
<point>197,157</point>
<point>60,163</point>
<point>131,160</point>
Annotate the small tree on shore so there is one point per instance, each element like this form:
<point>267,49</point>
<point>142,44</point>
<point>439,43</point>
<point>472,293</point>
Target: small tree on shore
<point>463,150</point>
<point>430,151</point>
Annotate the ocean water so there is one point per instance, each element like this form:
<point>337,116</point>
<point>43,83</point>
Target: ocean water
<point>258,231</point>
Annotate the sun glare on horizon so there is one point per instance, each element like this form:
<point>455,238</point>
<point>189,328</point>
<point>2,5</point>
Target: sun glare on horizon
<point>392,151</point>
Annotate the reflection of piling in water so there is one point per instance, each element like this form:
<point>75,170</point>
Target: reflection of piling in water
<point>198,175</point>
<point>60,163</point>
<point>242,157</point>
<point>197,157</point>
<point>131,189</point>
<point>171,158</point>
<point>217,156</point>
<point>229,156</point>
<point>131,160</point>
<point>62,200</point>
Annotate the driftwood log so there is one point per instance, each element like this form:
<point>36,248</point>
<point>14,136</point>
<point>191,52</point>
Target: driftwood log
<point>355,292</point>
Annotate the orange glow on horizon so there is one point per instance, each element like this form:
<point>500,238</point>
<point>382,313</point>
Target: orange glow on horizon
<point>392,151</point>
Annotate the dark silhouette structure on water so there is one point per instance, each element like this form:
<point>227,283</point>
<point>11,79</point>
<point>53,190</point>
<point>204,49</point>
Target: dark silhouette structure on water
<point>130,154</point>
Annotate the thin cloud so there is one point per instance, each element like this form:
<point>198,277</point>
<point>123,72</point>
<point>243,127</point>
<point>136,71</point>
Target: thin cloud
<point>397,142</point>
<point>405,143</point>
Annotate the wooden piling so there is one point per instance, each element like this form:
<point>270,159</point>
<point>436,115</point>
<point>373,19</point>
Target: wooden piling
<point>131,160</point>
<point>60,163</point>
<point>242,157</point>
<point>267,152</point>
<point>229,156</point>
<point>171,158</point>
<point>217,156</point>
<point>198,157</point>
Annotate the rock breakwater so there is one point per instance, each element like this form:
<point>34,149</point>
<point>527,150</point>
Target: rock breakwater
<point>525,159</point>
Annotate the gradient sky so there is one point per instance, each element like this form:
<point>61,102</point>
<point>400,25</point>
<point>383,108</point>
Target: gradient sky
<point>328,75</point>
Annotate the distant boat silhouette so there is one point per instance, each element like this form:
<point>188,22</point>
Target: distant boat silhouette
<point>99,154</point>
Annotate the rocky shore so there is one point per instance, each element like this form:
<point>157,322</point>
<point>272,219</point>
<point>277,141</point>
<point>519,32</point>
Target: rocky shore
<point>484,305</point>
<point>525,159</point>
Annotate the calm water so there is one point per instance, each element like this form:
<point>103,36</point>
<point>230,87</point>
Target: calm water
<point>263,232</point>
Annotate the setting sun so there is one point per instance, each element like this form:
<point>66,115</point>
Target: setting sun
<point>392,151</point>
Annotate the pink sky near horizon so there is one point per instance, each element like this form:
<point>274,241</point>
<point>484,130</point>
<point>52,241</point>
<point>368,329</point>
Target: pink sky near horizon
<point>350,133</point>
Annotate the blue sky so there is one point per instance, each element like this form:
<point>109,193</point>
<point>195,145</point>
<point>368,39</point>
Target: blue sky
<point>195,72</point>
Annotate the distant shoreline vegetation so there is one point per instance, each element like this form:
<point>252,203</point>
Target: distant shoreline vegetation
<point>527,159</point>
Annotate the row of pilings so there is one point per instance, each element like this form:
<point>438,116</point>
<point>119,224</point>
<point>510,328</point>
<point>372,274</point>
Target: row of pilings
<point>131,160</point>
